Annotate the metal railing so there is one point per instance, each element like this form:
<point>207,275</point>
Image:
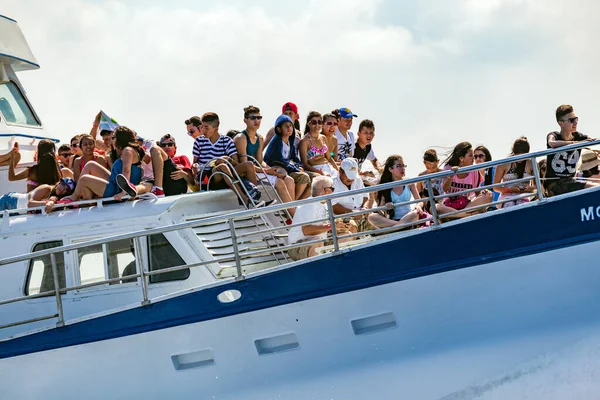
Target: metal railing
<point>229,218</point>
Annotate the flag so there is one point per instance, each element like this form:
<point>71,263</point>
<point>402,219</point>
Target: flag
<point>107,123</point>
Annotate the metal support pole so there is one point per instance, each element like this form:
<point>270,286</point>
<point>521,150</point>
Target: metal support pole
<point>434,213</point>
<point>336,245</point>
<point>236,253</point>
<point>139,257</point>
<point>538,181</point>
<point>59,306</point>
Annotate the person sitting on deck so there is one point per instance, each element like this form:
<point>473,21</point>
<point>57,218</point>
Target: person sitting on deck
<point>562,166</point>
<point>64,156</point>
<point>211,151</point>
<point>321,185</point>
<point>513,171</point>
<point>330,124</point>
<point>462,156</point>
<point>431,162</point>
<point>363,150</point>
<point>43,195</point>
<point>126,173</point>
<point>87,144</point>
<point>347,180</point>
<point>250,143</point>
<point>282,152</point>
<point>177,170</point>
<point>45,172</point>
<point>396,214</point>
<point>313,150</point>
<point>346,139</point>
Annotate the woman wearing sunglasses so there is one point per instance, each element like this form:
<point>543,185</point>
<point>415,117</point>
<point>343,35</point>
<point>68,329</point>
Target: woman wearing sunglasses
<point>314,152</point>
<point>330,124</point>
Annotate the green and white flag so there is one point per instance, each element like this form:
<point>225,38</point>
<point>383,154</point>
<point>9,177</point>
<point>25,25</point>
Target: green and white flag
<point>107,123</point>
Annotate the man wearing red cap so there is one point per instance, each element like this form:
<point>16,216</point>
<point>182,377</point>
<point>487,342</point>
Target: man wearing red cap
<point>291,110</point>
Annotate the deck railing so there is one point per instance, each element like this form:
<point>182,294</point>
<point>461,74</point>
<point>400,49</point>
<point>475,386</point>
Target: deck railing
<point>229,218</point>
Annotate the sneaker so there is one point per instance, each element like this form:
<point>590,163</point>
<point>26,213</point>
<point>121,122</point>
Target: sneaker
<point>158,192</point>
<point>126,186</point>
<point>265,203</point>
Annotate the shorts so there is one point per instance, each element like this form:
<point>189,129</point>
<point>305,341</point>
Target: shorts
<point>203,177</point>
<point>564,185</point>
<point>301,178</point>
<point>9,201</point>
<point>327,169</point>
<point>300,253</point>
<point>458,202</point>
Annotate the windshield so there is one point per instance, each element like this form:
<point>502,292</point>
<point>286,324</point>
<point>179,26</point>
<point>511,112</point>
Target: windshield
<point>13,106</point>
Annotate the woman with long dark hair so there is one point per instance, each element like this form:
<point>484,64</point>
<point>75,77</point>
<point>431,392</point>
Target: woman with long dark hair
<point>87,144</point>
<point>393,171</point>
<point>462,156</point>
<point>45,172</point>
<point>314,152</point>
<point>513,171</point>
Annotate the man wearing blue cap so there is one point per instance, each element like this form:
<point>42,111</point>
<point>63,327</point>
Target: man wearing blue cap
<point>346,139</point>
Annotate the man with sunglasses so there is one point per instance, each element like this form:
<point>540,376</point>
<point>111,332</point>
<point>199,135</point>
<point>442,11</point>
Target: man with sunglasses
<point>346,139</point>
<point>177,170</point>
<point>562,166</point>
<point>64,155</point>
<point>194,127</point>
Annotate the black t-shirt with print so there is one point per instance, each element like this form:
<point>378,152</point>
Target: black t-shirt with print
<point>361,154</point>
<point>564,163</point>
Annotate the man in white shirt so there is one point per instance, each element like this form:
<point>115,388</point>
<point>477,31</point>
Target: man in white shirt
<point>346,139</point>
<point>349,179</point>
<point>321,185</point>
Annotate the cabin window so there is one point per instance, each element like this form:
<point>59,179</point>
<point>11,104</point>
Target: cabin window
<point>40,278</point>
<point>14,109</point>
<point>163,255</point>
<point>117,259</point>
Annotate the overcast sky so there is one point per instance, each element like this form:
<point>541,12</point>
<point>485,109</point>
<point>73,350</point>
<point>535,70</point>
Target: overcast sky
<point>428,73</point>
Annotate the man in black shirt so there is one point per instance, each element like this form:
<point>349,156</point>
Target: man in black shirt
<point>561,166</point>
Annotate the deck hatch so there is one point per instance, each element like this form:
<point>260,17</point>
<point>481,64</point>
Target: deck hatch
<point>277,344</point>
<point>196,359</point>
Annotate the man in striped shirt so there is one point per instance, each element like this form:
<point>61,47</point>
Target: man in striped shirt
<point>212,150</point>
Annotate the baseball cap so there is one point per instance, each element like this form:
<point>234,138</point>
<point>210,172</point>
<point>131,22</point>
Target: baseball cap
<point>350,167</point>
<point>167,139</point>
<point>289,106</point>
<point>346,113</point>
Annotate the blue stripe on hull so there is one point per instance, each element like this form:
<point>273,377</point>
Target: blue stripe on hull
<point>500,236</point>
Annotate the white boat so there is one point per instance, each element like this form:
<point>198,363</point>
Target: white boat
<point>192,296</point>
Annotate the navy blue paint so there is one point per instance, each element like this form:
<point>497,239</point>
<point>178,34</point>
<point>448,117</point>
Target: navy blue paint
<point>20,59</point>
<point>28,136</point>
<point>498,237</point>
<point>10,19</point>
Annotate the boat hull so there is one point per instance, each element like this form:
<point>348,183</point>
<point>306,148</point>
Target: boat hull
<point>453,331</point>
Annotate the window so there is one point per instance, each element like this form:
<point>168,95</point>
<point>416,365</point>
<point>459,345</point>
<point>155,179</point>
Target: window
<point>40,278</point>
<point>163,255</point>
<point>13,106</point>
<point>118,259</point>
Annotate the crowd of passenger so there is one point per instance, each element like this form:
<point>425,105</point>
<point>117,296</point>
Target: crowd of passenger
<point>327,156</point>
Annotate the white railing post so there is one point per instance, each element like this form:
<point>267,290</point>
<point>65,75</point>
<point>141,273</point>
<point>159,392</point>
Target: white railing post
<point>434,213</point>
<point>234,243</point>
<point>59,306</point>
<point>336,245</point>
<point>141,264</point>
<point>538,181</point>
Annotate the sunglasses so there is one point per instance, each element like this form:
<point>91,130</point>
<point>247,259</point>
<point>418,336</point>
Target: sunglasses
<point>330,187</point>
<point>572,120</point>
<point>400,165</point>
<point>476,156</point>
<point>76,145</point>
<point>65,155</point>
<point>167,145</point>
<point>255,117</point>
<point>316,122</point>
<point>331,123</point>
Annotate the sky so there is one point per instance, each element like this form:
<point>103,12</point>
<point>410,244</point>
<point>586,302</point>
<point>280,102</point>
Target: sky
<point>429,73</point>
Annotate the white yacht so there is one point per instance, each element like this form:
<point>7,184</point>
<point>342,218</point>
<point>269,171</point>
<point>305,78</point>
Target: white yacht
<point>195,297</point>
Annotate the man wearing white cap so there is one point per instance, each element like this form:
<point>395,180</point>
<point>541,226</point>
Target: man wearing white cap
<point>347,180</point>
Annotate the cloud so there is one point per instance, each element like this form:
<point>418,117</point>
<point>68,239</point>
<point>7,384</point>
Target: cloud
<point>429,73</point>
